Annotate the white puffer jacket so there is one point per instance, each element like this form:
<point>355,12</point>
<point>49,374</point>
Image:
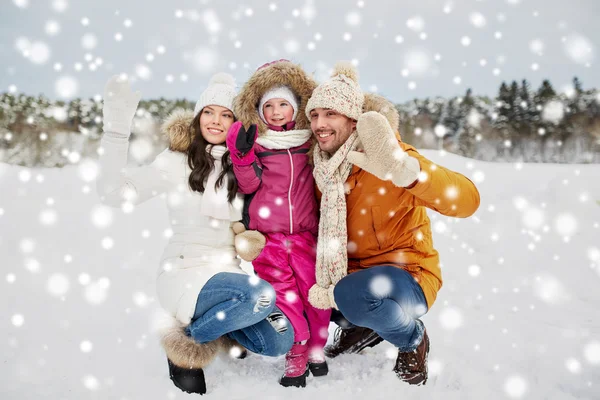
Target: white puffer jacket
<point>201,246</point>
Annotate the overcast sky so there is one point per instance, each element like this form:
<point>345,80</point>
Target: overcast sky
<point>404,49</point>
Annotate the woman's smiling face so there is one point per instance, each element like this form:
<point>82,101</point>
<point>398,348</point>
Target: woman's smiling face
<point>214,123</point>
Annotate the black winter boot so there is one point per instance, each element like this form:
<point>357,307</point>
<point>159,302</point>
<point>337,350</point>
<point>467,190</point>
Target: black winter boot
<point>186,379</point>
<point>351,340</point>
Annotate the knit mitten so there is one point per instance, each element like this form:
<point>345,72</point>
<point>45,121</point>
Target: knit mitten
<point>248,244</point>
<point>119,107</point>
<point>383,156</point>
<point>241,143</point>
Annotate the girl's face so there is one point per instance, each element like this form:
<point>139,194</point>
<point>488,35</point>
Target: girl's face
<point>214,123</point>
<point>278,112</point>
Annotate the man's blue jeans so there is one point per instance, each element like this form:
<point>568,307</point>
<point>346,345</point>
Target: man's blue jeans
<point>243,308</point>
<point>386,299</point>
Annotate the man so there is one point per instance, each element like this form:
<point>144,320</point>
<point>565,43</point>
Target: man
<point>375,257</point>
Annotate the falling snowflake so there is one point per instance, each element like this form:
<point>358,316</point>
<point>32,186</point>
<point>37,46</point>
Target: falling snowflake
<point>573,365</point>
<point>477,19</point>
<point>565,224</point>
<point>86,346</point>
<point>593,254</point>
<point>66,87</point>
<point>381,286</point>
<point>291,297</point>
<point>91,382</point>
<point>440,130</point>
<point>141,299</point>
<point>143,72</point>
<point>97,292</point>
<point>537,46</point>
<point>416,23</point>
<point>533,218</point>
<point>515,386</point>
<point>353,18</point>
<point>579,49</point>
<point>451,318</point>
<point>591,352</point>
<point>58,285</point>
<point>32,265</point>
<point>17,320</point>
<point>204,59</point>
<point>553,111</point>
<point>89,41</point>
<point>417,61</point>
<point>48,217</point>
<point>292,46</point>
<point>27,245</point>
<point>102,216</point>
<point>264,212</point>
<point>84,279</point>
<point>107,243</point>
<point>549,289</point>
<point>474,270</point>
<point>88,170</point>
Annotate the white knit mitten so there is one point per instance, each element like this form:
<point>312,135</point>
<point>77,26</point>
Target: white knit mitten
<point>383,156</point>
<point>119,107</point>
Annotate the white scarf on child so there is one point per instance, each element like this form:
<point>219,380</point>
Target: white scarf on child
<point>274,140</point>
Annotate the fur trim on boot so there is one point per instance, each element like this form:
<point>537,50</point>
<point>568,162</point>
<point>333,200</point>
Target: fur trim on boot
<point>185,352</point>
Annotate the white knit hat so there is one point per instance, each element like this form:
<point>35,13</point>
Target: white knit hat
<point>220,92</point>
<point>278,92</point>
<point>340,93</point>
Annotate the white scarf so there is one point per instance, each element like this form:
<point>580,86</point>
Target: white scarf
<point>330,174</point>
<point>274,140</point>
<point>214,201</point>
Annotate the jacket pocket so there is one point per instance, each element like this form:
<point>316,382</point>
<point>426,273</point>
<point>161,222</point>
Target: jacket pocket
<point>377,219</point>
<point>173,251</point>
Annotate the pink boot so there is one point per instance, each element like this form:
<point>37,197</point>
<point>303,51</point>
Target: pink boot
<point>296,368</point>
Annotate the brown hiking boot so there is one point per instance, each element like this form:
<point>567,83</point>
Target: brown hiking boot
<point>411,366</point>
<point>351,340</point>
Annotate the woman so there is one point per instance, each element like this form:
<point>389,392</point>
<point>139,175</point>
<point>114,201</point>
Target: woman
<point>200,282</point>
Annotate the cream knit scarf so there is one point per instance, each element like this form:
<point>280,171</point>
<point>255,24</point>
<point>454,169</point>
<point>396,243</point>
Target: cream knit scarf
<point>332,255</point>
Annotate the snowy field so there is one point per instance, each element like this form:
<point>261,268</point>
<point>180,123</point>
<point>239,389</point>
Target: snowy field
<point>517,317</point>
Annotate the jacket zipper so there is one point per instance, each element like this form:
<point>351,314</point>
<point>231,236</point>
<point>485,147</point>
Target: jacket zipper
<point>290,193</point>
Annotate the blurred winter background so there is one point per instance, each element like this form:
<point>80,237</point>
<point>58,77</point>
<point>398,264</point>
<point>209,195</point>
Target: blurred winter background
<point>502,84</point>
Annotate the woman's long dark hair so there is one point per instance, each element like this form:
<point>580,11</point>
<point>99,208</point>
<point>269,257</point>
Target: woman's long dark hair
<point>202,163</point>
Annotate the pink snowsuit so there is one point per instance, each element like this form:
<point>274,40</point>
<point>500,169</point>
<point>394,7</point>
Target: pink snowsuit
<point>281,204</point>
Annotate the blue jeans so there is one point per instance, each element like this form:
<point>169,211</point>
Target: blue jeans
<point>243,308</point>
<point>386,299</point>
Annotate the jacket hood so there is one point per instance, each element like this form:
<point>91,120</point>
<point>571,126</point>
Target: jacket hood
<point>177,129</point>
<point>280,73</point>
<point>375,102</point>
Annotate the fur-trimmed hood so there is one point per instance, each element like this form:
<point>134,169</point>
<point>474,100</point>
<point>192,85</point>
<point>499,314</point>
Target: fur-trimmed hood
<point>177,129</point>
<point>280,73</point>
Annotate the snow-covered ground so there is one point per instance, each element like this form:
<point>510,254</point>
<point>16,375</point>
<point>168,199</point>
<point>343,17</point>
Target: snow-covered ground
<point>517,316</point>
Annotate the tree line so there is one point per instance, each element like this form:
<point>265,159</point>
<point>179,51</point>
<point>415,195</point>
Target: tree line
<point>519,125</point>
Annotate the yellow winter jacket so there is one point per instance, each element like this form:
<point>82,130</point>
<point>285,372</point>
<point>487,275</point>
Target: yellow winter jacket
<point>388,225</point>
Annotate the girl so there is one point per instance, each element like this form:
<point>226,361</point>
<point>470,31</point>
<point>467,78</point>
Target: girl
<point>271,164</point>
<point>200,282</point>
